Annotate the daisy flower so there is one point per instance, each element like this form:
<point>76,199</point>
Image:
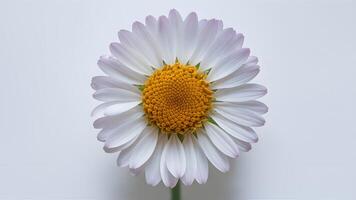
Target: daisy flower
<point>176,97</point>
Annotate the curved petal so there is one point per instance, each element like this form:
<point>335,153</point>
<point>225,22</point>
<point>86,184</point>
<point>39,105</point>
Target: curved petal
<point>237,78</point>
<point>99,110</point>
<point>218,48</point>
<point>190,32</point>
<point>127,57</point>
<point>243,117</point>
<point>219,160</point>
<point>101,82</point>
<point>243,133</point>
<point>138,47</point>
<point>152,170</point>
<point>251,106</point>
<point>243,146</point>
<point>221,140</point>
<point>175,156</point>
<point>116,70</point>
<point>167,40</point>
<point>245,92</point>
<point>176,25</point>
<point>191,166</point>
<point>125,133</point>
<point>228,64</point>
<point>149,44</point>
<point>108,122</point>
<point>144,148</point>
<point>206,35</point>
<point>116,94</point>
<point>202,172</point>
<point>119,108</point>
<point>168,179</point>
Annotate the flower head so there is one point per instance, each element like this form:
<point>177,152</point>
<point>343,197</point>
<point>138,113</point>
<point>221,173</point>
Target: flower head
<point>176,97</point>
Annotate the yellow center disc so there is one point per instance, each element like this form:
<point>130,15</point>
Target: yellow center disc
<point>176,98</point>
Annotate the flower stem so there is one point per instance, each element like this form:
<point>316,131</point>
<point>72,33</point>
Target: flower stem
<point>175,192</point>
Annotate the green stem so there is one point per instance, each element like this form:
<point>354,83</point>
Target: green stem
<point>175,192</point>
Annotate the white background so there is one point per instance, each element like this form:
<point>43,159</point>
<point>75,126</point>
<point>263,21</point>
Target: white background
<point>48,54</point>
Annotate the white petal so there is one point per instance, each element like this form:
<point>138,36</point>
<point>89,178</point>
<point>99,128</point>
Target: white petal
<point>120,107</point>
<point>243,146</point>
<point>99,110</point>
<point>237,78</point>
<point>240,116</point>
<point>175,156</point>
<point>168,179</point>
<point>241,93</point>
<point>228,64</point>
<point>137,47</point>
<point>152,170</point>
<point>207,34</point>
<point>202,172</point>
<point>117,120</point>
<point>219,160</point>
<point>102,82</point>
<point>190,32</point>
<point>177,25</point>
<point>218,48</point>
<point>221,140</point>
<point>243,133</point>
<point>144,148</point>
<point>116,94</point>
<point>125,133</point>
<point>127,57</point>
<point>116,70</point>
<point>251,106</point>
<point>167,40</point>
<point>150,47</point>
<point>190,157</point>
<point>252,60</point>
<point>126,153</point>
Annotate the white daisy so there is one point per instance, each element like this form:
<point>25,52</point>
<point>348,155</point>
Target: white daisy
<point>176,97</point>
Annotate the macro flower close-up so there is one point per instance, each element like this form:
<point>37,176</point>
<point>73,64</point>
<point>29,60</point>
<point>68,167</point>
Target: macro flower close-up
<point>176,96</point>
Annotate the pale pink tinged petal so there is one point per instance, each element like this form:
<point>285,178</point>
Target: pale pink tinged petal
<point>116,94</point>
<point>168,179</point>
<point>126,57</point>
<point>191,166</point>
<point>219,160</point>
<point>120,107</point>
<point>125,133</point>
<point>237,78</point>
<point>202,172</point>
<point>175,156</point>
<point>228,64</point>
<point>245,92</point>
<point>152,170</point>
<point>118,71</point>
<point>190,32</point>
<point>221,140</point>
<point>144,148</point>
<point>240,132</point>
